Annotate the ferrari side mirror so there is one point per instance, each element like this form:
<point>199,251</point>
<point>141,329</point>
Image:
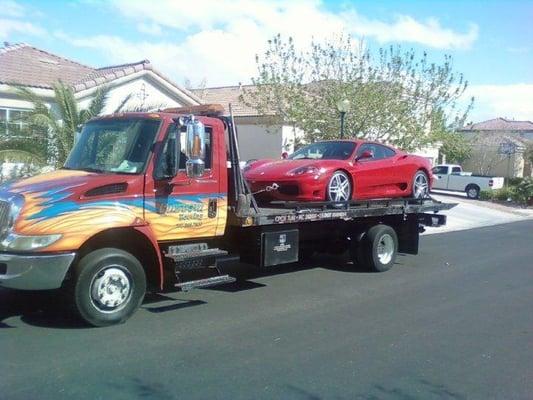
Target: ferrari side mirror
<point>364,155</point>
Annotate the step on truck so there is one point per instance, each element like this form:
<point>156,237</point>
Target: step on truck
<point>157,201</point>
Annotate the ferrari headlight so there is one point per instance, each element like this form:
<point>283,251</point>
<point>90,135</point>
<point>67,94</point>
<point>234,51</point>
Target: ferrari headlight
<point>309,169</point>
<point>15,242</point>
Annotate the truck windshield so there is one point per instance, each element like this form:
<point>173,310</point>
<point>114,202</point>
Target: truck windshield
<point>119,145</point>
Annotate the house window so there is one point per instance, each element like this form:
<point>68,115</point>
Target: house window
<point>12,121</point>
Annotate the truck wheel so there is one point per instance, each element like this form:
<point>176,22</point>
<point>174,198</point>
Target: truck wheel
<point>108,286</point>
<point>377,249</point>
<point>472,191</point>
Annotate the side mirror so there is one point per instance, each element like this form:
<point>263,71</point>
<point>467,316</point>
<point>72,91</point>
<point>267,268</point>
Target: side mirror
<point>364,155</point>
<point>195,148</point>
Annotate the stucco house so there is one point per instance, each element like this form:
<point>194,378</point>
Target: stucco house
<point>260,135</point>
<point>498,147</point>
<point>28,66</point>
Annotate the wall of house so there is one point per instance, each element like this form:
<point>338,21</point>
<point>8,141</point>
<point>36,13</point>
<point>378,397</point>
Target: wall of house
<point>259,141</point>
<point>143,93</point>
<point>291,136</point>
<point>486,158</point>
<point>14,103</point>
<point>487,161</point>
<point>429,152</point>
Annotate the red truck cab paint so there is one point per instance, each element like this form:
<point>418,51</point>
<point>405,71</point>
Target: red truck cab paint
<point>146,198</point>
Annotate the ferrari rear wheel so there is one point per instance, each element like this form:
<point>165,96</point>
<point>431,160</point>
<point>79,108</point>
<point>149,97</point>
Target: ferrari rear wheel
<point>339,187</point>
<point>420,185</point>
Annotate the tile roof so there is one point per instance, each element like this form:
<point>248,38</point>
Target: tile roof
<point>229,94</point>
<point>22,64</point>
<point>500,124</point>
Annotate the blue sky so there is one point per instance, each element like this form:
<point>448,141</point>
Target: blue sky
<point>215,40</point>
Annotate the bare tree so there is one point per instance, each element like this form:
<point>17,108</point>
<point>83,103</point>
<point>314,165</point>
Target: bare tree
<point>394,96</point>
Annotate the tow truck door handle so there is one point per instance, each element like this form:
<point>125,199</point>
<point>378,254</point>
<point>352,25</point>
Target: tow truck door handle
<point>182,183</point>
<point>212,208</point>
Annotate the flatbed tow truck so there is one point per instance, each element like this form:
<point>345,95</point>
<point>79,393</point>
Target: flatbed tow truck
<point>157,201</point>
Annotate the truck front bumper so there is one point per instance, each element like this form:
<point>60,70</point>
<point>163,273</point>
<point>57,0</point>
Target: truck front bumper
<point>35,271</point>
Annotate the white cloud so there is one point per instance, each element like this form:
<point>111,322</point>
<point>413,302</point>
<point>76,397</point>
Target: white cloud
<point>9,27</point>
<point>150,29</point>
<point>14,18</point>
<point>217,40</point>
<point>11,9</point>
<point>296,18</point>
<point>509,101</point>
<point>188,59</point>
<point>407,29</point>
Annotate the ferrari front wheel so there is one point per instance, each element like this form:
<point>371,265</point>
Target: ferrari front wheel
<point>339,187</point>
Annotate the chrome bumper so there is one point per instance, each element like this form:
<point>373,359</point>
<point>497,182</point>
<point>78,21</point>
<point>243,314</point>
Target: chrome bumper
<point>34,272</point>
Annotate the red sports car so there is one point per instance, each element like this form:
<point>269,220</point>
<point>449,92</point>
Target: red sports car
<point>341,170</point>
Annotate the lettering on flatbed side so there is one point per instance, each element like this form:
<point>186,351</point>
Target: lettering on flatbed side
<point>282,219</point>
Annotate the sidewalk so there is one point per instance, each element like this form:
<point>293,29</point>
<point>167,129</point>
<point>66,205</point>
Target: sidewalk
<point>470,214</point>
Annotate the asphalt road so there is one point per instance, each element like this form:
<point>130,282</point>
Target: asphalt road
<point>454,322</point>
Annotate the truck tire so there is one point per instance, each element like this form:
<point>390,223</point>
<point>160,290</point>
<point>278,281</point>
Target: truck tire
<point>108,286</point>
<point>472,191</point>
<point>377,249</point>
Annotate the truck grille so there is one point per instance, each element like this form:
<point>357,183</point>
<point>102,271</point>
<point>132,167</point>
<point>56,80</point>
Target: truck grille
<point>4,215</point>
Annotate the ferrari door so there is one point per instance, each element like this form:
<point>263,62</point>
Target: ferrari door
<point>372,175</point>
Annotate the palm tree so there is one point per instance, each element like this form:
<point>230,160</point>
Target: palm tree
<point>49,132</point>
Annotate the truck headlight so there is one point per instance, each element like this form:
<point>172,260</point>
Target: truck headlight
<point>16,242</point>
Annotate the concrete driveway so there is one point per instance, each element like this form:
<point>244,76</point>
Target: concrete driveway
<point>470,214</point>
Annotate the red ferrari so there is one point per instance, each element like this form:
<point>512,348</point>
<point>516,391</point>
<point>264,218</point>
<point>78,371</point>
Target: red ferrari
<point>341,170</point>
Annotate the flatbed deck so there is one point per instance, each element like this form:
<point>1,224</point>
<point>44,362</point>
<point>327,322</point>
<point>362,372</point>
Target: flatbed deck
<point>293,212</point>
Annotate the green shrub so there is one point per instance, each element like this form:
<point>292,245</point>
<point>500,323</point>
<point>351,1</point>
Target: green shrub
<point>523,192</point>
<point>486,195</point>
<point>513,181</point>
<point>504,193</point>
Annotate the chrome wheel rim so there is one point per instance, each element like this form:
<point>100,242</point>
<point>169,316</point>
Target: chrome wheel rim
<point>339,188</point>
<point>111,289</point>
<point>421,186</point>
<point>385,248</point>
<point>472,193</point>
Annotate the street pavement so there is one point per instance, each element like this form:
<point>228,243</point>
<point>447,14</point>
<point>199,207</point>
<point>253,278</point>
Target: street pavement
<point>454,322</point>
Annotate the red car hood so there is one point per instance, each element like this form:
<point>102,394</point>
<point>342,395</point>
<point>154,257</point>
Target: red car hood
<point>275,169</point>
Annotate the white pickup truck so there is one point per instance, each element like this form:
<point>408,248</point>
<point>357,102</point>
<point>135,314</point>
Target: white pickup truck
<point>451,177</point>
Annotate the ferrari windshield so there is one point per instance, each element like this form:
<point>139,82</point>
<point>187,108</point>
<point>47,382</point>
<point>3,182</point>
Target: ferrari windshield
<point>114,145</point>
<point>325,151</point>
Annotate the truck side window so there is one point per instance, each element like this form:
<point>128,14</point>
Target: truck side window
<point>441,170</point>
<point>164,159</point>
<point>456,170</point>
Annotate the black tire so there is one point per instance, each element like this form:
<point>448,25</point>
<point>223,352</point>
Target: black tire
<point>419,177</point>
<point>472,192</point>
<point>341,176</point>
<point>367,254</point>
<point>122,280</point>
